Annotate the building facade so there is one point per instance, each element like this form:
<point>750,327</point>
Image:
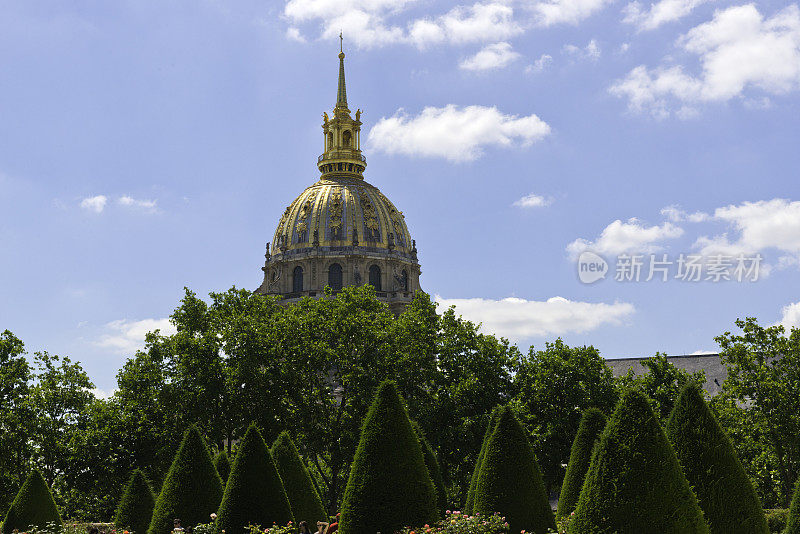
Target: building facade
<point>342,231</point>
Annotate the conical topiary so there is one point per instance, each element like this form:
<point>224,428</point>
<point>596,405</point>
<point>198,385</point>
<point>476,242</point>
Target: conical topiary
<point>793,524</point>
<point>303,497</point>
<point>474,480</point>
<point>254,494</point>
<point>510,481</point>
<point>635,484</point>
<point>389,485</point>
<point>592,424</point>
<point>135,509</point>
<point>725,493</point>
<point>192,489</point>
<point>433,469</point>
<point>32,507</point>
<point>223,465</point>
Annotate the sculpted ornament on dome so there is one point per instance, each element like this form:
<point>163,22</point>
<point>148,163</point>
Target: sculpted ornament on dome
<point>336,209</point>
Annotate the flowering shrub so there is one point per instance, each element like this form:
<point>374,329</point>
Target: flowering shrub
<point>456,522</point>
<point>75,528</point>
<point>289,528</point>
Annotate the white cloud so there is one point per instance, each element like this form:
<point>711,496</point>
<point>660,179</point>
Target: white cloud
<point>294,34</point>
<point>566,11</point>
<point>453,133</point>
<point>148,206</point>
<point>367,22</point>
<point>659,13</point>
<point>790,317</point>
<point>677,214</point>
<point>738,50</point>
<point>533,201</point>
<point>493,56</point>
<point>479,22</point>
<point>95,203</point>
<point>540,64</point>
<point>590,51</point>
<point>126,337</point>
<point>760,225</point>
<point>627,237</point>
<point>103,394</point>
<point>516,318</point>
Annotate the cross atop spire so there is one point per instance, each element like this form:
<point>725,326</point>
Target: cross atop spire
<point>341,94</point>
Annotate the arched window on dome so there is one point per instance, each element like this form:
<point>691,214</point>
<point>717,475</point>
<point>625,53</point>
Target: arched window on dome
<point>404,280</point>
<point>346,138</point>
<point>375,277</point>
<point>335,276</point>
<point>297,279</point>
<point>330,140</point>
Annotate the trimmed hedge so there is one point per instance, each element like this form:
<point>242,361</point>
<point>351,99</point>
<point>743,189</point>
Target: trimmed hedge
<point>223,466</point>
<point>389,486</point>
<point>591,427</point>
<point>433,469</point>
<point>32,507</point>
<point>635,484</point>
<point>793,524</point>
<point>192,489</point>
<point>135,509</point>
<point>510,482</point>
<point>776,519</point>
<point>725,493</point>
<point>303,497</point>
<point>475,472</point>
<point>254,494</point>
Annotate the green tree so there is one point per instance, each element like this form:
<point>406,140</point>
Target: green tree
<point>764,374</point>
<point>58,398</point>
<point>635,484</point>
<point>510,482</point>
<point>15,417</point>
<point>553,388</point>
<point>136,506</point>
<point>254,494</point>
<point>726,496</point>
<point>477,471</point>
<point>223,466</point>
<point>389,485</point>
<point>433,468</point>
<point>473,374</point>
<point>661,384</point>
<point>33,507</point>
<point>306,503</point>
<point>192,489</point>
<point>592,424</point>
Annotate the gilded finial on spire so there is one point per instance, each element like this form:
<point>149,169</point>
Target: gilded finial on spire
<point>341,95</point>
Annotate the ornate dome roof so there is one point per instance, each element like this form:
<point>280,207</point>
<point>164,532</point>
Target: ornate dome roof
<point>340,212</point>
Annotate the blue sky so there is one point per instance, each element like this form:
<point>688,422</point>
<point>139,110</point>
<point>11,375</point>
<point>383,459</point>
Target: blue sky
<point>148,146</point>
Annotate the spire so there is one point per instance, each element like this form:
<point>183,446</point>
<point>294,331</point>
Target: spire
<point>341,94</point>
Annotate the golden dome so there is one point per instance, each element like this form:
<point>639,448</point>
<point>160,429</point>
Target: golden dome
<point>342,231</point>
<point>342,212</point>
